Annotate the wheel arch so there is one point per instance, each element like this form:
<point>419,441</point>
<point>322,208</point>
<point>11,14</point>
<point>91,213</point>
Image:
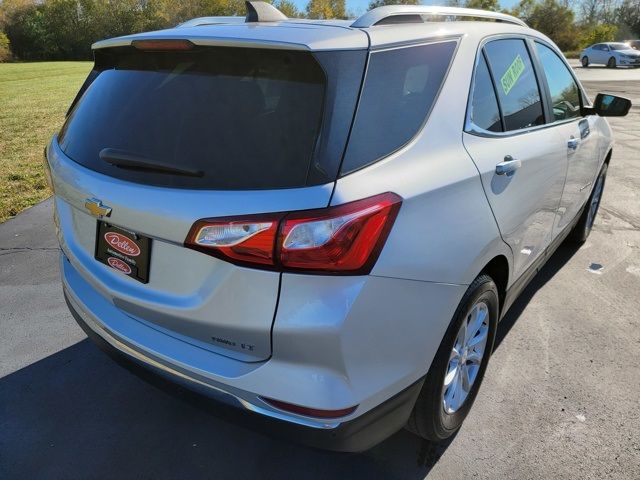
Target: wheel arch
<point>498,269</point>
<point>496,260</point>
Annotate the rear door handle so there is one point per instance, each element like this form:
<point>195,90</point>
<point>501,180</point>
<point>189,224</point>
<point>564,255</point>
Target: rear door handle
<point>508,167</point>
<point>573,143</point>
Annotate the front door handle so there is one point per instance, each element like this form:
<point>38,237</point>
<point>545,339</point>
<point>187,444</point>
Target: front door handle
<point>573,143</point>
<point>508,167</point>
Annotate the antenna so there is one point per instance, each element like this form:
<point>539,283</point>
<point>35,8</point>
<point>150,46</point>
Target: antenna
<point>263,12</point>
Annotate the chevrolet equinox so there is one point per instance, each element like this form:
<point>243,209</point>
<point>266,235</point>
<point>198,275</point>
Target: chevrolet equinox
<point>321,223</point>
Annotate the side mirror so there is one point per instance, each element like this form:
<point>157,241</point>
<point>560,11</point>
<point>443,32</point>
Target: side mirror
<point>607,105</point>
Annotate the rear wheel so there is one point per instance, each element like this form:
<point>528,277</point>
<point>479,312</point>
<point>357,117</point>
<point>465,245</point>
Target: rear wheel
<point>585,62</point>
<point>457,370</point>
<point>611,63</point>
<point>583,228</point>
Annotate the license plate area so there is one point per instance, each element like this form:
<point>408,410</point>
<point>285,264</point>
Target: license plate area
<point>125,251</point>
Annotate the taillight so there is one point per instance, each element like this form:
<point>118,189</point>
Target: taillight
<point>345,239</point>
<point>244,240</point>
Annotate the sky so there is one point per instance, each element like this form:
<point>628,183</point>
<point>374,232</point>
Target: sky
<point>360,6</point>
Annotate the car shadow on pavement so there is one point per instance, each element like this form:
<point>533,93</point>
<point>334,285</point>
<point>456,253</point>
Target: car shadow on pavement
<point>560,257</point>
<point>77,414</point>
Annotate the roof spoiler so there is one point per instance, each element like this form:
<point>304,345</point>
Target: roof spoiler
<point>263,12</point>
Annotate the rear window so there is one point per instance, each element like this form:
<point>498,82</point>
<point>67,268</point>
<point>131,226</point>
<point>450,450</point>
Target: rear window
<point>400,88</point>
<point>212,117</point>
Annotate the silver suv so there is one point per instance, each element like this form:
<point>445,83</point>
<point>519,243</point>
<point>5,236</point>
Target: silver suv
<point>322,222</point>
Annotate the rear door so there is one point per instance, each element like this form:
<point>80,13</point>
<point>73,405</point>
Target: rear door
<point>578,133</point>
<point>521,163</point>
<point>161,139</point>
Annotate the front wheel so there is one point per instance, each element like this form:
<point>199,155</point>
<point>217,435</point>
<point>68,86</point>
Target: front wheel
<point>457,370</point>
<point>585,62</point>
<point>611,63</point>
<point>583,228</point>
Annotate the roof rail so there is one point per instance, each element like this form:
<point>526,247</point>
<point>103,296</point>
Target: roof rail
<point>383,15</point>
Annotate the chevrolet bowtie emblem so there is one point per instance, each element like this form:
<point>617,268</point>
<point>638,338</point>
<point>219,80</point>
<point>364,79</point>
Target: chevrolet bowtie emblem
<point>96,208</point>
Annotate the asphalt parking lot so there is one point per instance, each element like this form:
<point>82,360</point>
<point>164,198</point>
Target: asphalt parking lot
<point>560,400</point>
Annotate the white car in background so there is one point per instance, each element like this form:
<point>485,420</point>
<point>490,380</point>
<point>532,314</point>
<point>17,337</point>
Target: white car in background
<point>611,54</point>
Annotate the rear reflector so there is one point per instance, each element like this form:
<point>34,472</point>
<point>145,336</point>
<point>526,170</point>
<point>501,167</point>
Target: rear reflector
<point>346,239</point>
<point>162,45</point>
<point>309,412</point>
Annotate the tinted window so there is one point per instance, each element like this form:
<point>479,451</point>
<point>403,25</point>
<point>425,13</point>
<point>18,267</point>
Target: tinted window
<point>484,105</point>
<point>243,118</point>
<point>565,95</point>
<point>516,83</point>
<point>400,87</point>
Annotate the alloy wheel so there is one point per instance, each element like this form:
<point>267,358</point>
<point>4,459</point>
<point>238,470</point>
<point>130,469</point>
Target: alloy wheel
<point>466,357</point>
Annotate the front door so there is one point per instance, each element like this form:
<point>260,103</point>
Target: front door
<point>577,133</point>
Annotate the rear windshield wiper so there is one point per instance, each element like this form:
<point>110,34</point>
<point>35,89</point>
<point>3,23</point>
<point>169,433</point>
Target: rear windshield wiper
<point>122,159</point>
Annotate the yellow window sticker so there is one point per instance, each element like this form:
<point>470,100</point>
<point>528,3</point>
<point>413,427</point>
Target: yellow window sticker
<point>512,75</point>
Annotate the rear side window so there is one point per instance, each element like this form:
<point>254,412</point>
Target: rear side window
<point>516,83</point>
<point>484,104</point>
<point>213,117</point>
<point>565,95</point>
<point>400,88</point>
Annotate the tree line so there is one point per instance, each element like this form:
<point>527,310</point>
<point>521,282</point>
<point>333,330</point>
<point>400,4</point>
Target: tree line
<point>65,29</point>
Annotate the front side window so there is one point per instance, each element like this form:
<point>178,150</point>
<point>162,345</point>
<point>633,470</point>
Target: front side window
<point>565,95</point>
<point>399,90</point>
<point>516,83</point>
<point>484,104</point>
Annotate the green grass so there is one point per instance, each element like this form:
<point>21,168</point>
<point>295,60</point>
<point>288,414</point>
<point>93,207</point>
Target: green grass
<point>33,100</point>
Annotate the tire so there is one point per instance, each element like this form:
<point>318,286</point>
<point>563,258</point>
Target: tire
<point>430,418</point>
<point>611,63</point>
<point>585,62</point>
<point>582,229</point>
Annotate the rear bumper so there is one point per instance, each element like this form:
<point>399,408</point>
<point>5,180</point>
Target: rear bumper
<point>354,435</point>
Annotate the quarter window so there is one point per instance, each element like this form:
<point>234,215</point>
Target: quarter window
<point>516,83</point>
<point>484,104</point>
<point>399,89</point>
<point>565,95</point>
